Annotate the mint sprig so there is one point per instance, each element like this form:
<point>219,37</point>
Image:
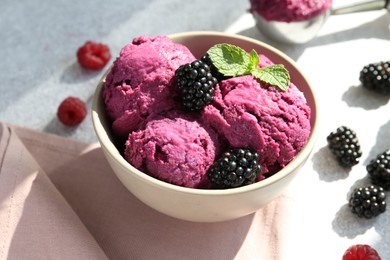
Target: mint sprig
<point>231,60</point>
<point>275,75</point>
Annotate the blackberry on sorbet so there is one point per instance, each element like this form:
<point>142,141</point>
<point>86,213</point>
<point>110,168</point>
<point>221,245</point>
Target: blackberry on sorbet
<point>345,146</point>
<point>379,170</point>
<point>368,202</point>
<point>235,168</point>
<point>196,85</point>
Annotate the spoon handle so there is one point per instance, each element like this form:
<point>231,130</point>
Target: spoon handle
<point>362,7</point>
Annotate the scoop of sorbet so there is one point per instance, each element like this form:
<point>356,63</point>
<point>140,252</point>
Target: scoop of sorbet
<point>140,83</point>
<point>176,149</point>
<point>249,114</point>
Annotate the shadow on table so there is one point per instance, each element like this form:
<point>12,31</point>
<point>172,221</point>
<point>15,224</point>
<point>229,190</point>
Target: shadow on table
<point>381,144</point>
<point>56,127</point>
<point>347,224</point>
<point>378,28</point>
<point>358,96</point>
<point>327,167</point>
<point>74,74</point>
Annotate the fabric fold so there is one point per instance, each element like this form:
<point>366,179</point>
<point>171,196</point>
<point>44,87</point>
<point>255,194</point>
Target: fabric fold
<point>36,221</point>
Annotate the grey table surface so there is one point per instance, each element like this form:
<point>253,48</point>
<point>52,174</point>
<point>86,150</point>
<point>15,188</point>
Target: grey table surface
<point>38,69</point>
<point>40,38</point>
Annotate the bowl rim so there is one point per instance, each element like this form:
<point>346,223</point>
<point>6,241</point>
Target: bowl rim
<point>113,152</point>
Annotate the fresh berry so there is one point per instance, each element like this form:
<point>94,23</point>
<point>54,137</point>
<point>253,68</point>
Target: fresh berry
<point>345,146</point>
<point>368,202</point>
<point>379,170</point>
<point>218,75</point>
<point>72,111</point>
<point>376,77</point>
<point>196,84</point>
<point>93,55</point>
<point>361,252</point>
<point>236,167</point>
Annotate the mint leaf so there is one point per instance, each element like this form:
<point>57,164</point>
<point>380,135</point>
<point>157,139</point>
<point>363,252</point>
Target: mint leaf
<point>254,60</point>
<point>233,61</point>
<point>230,60</point>
<point>275,75</point>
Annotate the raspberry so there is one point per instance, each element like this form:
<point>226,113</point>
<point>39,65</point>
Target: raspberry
<point>376,77</point>
<point>236,167</point>
<point>72,111</point>
<point>93,55</point>
<point>345,146</point>
<point>361,252</point>
<point>379,170</point>
<point>196,84</point>
<point>368,202</point>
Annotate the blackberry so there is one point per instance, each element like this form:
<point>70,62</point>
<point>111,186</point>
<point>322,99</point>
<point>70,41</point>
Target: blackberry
<point>368,202</point>
<point>196,84</point>
<point>345,146</point>
<point>376,77</point>
<point>379,170</point>
<point>218,75</point>
<point>235,168</point>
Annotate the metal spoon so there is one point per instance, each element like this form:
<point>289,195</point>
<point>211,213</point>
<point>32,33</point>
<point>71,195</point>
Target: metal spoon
<point>362,6</point>
<point>304,31</point>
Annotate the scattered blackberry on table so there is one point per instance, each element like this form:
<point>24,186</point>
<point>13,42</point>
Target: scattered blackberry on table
<point>93,55</point>
<point>235,168</point>
<point>379,170</point>
<point>361,252</point>
<point>71,111</point>
<point>368,202</point>
<point>218,75</point>
<point>345,146</point>
<point>196,84</point>
<point>376,77</point>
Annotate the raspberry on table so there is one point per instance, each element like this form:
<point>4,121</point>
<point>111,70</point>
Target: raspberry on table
<point>345,146</point>
<point>368,202</point>
<point>72,111</point>
<point>235,168</point>
<point>361,252</point>
<point>196,84</point>
<point>93,55</point>
<point>379,170</point>
<point>376,77</point>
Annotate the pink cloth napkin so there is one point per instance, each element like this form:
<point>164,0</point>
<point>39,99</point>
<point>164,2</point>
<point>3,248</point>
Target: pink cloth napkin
<point>60,200</point>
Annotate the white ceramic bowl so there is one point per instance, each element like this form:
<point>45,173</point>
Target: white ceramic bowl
<point>207,205</point>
